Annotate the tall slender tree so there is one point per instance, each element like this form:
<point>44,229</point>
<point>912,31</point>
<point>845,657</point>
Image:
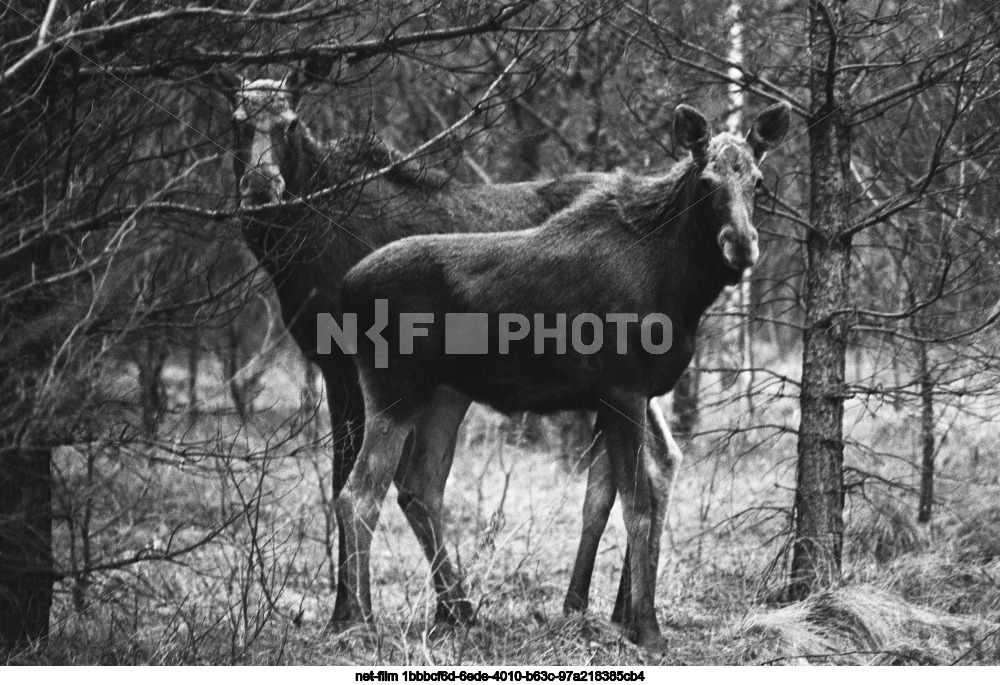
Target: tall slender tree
<point>885,95</point>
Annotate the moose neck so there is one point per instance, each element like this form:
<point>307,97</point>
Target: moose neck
<point>693,271</point>
<point>287,239</point>
<point>316,242</point>
<point>288,242</point>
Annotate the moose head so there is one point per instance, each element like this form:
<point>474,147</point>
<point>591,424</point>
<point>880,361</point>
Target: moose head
<point>729,174</point>
<point>264,119</point>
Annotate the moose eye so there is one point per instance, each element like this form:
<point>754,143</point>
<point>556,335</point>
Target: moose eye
<point>758,184</point>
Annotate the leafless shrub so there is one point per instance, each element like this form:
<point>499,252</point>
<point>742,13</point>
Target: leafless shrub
<point>882,528</point>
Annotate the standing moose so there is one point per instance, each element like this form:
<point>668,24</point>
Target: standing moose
<point>307,244</point>
<point>630,246</point>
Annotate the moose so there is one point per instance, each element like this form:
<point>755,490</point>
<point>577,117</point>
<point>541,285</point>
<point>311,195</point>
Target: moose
<point>307,245</point>
<point>635,248</point>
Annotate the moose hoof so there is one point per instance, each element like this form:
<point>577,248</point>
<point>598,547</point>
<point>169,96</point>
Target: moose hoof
<point>339,625</point>
<point>622,617</point>
<point>574,604</point>
<point>654,643</point>
<point>455,612</point>
<point>342,621</point>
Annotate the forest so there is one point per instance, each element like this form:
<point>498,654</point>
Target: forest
<point>172,447</point>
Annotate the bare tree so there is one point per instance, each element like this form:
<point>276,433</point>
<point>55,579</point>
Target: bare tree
<point>115,193</point>
<point>865,82</point>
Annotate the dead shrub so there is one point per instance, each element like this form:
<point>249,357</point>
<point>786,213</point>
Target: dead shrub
<point>880,528</point>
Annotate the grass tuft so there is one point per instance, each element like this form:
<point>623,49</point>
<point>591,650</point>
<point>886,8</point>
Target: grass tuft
<point>861,624</point>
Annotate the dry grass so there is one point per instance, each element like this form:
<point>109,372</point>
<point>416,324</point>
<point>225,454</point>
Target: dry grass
<point>260,593</point>
<point>863,625</point>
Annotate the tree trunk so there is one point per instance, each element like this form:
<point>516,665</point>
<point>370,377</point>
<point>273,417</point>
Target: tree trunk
<point>926,434</point>
<point>150,361</point>
<point>26,576</point>
<point>525,160</point>
<point>192,381</point>
<point>736,302</point>
<point>819,523</point>
<point>25,544</point>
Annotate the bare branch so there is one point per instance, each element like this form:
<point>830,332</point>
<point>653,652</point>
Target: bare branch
<point>43,30</point>
<point>133,26</point>
<point>766,88</point>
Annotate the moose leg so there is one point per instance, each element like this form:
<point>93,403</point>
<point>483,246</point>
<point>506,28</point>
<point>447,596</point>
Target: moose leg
<point>421,480</point>
<point>360,502</point>
<point>664,463</point>
<point>624,426</point>
<point>347,419</point>
<point>664,458</point>
<point>622,611</point>
<point>597,505</point>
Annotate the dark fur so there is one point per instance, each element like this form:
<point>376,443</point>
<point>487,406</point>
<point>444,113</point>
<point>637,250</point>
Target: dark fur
<point>664,245</point>
<point>307,250</point>
<point>629,244</point>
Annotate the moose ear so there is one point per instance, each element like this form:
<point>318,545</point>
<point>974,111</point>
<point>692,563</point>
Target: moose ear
<point>769,129</point>
<point>315,69</point>
<point>691,130</point>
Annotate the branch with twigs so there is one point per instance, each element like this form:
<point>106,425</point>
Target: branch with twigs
<point>109,216</point>
<point>481,105</point>
<point>49,42</point>
<point>750,81</point>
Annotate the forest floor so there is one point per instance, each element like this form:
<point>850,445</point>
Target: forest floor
<point>257,591</point>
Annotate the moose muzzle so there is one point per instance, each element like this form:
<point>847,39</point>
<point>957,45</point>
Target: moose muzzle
<point>261,184</point>
<point>739,246</point>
